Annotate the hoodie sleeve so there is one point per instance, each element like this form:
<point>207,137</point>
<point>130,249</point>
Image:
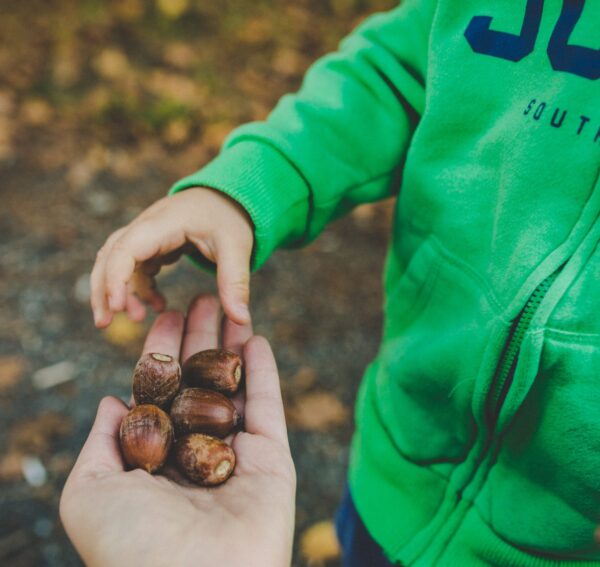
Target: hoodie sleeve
<point>338,142</point>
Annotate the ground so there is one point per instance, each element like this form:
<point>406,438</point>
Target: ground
<point>102,106</point>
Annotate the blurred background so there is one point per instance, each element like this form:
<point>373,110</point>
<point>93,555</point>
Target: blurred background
<point>103,105</point>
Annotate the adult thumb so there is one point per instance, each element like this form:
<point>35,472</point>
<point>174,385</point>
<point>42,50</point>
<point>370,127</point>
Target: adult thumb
<point>101,451</point>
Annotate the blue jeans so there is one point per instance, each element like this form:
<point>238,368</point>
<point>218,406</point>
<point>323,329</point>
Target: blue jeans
<point>358,547</point>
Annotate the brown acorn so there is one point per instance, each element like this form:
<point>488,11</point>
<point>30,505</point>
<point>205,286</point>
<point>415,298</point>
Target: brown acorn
<point>156,379</point>
<point>146,435</point>
<point>216,369</point>
<point>203,459</point>
<point>196,410</point>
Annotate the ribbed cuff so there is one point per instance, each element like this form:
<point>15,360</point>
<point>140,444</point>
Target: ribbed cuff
<point>266,185</point>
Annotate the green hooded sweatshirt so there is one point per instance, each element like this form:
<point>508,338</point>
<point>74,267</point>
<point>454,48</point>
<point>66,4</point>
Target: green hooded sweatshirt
<point>478,423</point>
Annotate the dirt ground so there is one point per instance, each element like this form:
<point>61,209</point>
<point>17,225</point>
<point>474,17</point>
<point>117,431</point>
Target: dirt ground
<point>102,106</point>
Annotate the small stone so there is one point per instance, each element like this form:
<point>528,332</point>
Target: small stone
<point>101,203</point>
<point>53,375</point>
<point>34,471</point>
<point>43,527</point>
<point>82,289</point>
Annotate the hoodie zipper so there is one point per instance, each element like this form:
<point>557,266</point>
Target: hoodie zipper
<point>503,378</point>
<point>510,355</point>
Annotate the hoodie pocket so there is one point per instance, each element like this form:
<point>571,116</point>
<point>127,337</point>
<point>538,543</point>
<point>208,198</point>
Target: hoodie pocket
<point>438,320</point>
<point>543,493</point>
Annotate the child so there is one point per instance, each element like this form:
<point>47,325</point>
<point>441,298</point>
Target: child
<point>478,437</point>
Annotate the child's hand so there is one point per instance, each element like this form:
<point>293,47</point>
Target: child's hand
<point>123,275</point>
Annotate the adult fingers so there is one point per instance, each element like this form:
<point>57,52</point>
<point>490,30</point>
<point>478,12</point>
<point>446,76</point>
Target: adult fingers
<point>166,334</point>
<point>143,240</point>
<point>233,277</point>
<point>264,406</point>
<point>234,338</point>
<point>101,452</point>
<point>143,286</point>
<point>202,326</point>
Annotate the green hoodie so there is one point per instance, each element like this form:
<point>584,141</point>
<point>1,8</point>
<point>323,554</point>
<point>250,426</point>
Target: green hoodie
<point>478,424</point>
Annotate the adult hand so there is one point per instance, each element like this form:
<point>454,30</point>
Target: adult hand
<point>118,518</point>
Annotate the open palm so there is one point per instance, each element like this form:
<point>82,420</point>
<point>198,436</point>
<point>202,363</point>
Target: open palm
<point>116,517</point>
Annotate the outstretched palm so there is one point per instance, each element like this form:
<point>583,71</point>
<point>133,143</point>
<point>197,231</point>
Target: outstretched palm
<point>116,517</point>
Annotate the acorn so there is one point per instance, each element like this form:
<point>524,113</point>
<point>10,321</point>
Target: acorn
<point>196,410</point>
<point>216,369</point>
<point>146,435</point>
<point>156,379</point>
<point>203,459</point>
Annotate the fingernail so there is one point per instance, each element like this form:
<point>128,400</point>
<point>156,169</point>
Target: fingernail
<point>113,303</point>
<point>99,319</point>
<point>243,311</point>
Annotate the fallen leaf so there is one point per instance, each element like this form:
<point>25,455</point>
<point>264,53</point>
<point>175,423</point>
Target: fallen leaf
<point>176,87</point>
<point>300,382</point>
<point>112,64</point>
<point>319,543</point>
<point>255,32</point>
<point>124,332</point>
<point>177,132</point>
<point>317,411</point>
<point>288,62</point>
<point>10,467</point>
<point>12,369</point>
<point>80,174</point>
<point>180,55</point>
<point>214,134</point>
<point>344,8</point>
<point>129,10</point>
<point>66,69</point>
<point>36,112</point>
<point>7,102</point>
<point>124,165</point>
<point>172,9</point>
<point>7,129</point>
<point>364,214</point>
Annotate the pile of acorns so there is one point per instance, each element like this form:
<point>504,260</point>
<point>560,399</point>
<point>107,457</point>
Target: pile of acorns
<point>199,416</point>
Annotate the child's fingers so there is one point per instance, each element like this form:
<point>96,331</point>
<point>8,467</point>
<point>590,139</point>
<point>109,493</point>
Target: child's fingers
<point>143,240</point>
<point>233,278</point>
<point>143,285</point>
<point>136,310</point>
<point>98,299</point>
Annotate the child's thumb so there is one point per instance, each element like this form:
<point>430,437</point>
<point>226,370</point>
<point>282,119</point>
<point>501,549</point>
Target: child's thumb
<point>233,279</point>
